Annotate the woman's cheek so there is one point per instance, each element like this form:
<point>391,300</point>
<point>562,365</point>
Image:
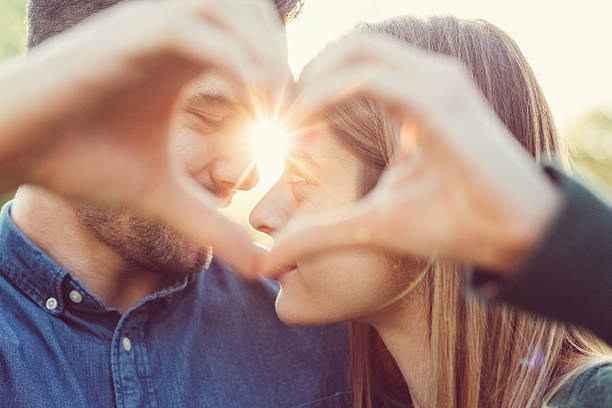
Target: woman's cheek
<point>308,199</point>
<point>340,286</point>
<point>317,199</point>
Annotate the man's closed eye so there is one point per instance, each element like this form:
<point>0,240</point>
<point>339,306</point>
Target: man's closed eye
<point>205,122</point>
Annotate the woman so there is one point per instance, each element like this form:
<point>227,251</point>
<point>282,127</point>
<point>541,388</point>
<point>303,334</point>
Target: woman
<point>416,341</point>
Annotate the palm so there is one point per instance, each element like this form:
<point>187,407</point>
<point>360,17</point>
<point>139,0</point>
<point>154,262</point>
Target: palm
<point>420,197</point>
<point>127,154</point>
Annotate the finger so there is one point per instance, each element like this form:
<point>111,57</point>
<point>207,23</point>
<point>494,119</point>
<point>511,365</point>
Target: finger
<point>408,137</point>
<point>438,78</point>
<point>456,125</point>
<point>367,79</point>
<point>257,25</point>
<point>353,49</point>
<point>210,47</point>
<point>282,84</point>
<point>257,22</point>
<point>270,12</point>
<point>418,96</point>
<point>191,210</point>
<point>304,236</point>
<point>284,99</point>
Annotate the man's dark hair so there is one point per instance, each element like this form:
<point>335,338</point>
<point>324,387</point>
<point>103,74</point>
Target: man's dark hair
<point>47,18</point>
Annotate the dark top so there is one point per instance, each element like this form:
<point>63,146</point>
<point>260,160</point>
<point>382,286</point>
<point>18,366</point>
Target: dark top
<point>208,340</point>
<point>591,389</point>
<point>568,276</point>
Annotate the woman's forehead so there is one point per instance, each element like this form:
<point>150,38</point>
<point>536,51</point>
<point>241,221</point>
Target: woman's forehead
<point>319,147</point>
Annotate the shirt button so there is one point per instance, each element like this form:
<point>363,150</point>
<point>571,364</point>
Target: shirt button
<point>51,303</point>
<point>127,344</point>
<point>75,296</point>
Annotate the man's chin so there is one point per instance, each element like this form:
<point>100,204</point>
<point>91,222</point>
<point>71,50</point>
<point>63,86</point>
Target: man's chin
<point>143,243</point>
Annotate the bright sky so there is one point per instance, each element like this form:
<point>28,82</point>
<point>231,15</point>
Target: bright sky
<point>566,42</point>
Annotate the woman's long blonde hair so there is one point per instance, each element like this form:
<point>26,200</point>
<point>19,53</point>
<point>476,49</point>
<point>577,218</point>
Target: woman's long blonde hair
<point>482,355</point>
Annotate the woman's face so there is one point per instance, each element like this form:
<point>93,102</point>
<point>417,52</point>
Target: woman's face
<point>321,174</point>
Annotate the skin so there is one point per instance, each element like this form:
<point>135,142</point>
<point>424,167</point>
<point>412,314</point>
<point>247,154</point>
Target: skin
<point>461,189</point>
<point>358,285</point>
<point>122,257</point>
<point>89,113</point>
<point>508,203</point>
<point>159,149</point>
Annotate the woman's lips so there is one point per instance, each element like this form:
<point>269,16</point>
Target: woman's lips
<point>283,270</point>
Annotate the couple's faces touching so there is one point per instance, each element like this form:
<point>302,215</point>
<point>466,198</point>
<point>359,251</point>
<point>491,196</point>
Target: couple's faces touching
<point>209,141</point>
<point>322,174</point>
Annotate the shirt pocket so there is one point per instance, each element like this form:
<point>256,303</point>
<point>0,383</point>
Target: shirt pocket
<point>338,400</point>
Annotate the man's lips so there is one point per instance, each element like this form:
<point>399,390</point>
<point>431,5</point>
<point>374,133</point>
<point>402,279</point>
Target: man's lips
<point>283,270</point>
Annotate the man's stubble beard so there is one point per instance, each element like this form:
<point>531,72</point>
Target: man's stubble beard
<point>143,243</point>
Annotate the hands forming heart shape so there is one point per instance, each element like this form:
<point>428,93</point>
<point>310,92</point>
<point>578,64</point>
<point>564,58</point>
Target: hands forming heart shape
<point>465,189</point>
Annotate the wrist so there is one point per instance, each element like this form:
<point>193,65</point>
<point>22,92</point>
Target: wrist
<point>522,234</point>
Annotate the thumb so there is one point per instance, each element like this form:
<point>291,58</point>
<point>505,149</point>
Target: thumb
<point>189,209</point>
<point>407,147</point>
<point>309,235</point>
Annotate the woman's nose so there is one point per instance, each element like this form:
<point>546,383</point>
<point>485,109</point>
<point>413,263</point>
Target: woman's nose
<point>271,212</point>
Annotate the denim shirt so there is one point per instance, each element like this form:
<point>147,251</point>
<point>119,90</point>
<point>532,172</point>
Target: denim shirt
<point>209,340</point>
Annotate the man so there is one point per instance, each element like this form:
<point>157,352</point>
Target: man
<point>104,308</point>
<point>88,113</point>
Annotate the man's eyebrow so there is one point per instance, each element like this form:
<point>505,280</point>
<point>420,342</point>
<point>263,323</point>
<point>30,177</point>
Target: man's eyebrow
<point>214,101</point>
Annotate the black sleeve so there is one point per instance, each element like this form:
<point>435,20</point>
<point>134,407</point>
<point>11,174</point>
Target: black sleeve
<point>568,276</point>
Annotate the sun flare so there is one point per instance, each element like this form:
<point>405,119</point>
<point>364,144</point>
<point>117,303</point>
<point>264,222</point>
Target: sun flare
<point>269,141</point>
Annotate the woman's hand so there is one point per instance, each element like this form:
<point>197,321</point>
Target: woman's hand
<point>461,187</point>
<point>87,114</point>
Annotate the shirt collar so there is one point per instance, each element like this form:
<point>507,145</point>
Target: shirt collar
<point>27,267</point>
<point>41,279</point>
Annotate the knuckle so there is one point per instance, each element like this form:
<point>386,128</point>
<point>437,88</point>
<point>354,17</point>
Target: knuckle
<point>380,221</point>
<point>267,9</point>
<point>454,71</point>
<point>445,65</point>
<point>173,31</point>
<point>451,76</point>
<point>348,45</point>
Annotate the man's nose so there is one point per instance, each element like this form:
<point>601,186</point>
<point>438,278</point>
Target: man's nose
<point>239,174</point>
<point>248,179</point>
<point>271,212</point>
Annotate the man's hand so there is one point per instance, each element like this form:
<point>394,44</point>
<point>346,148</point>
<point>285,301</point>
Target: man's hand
<point>88,113</point>
<point>461,187</point>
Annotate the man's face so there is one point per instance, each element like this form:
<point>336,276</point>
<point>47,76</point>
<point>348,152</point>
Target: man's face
<point>210,143</point>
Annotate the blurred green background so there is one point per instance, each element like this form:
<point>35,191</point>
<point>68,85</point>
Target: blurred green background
<point>589,137</point>
<point>12,27</point>
<point>12,37</point>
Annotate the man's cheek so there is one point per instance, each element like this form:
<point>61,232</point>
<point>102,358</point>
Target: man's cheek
<point>189,150</point>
